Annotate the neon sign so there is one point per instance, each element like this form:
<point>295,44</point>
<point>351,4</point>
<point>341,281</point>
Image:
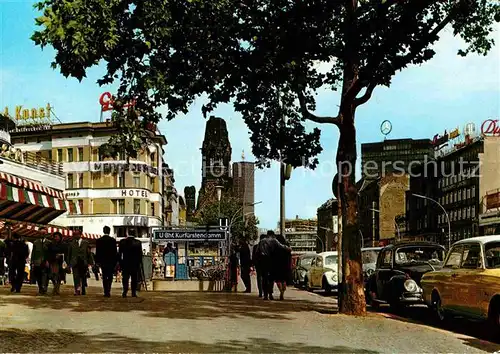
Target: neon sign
<point>107,102</point>
<point>490,127</point>
<point>30,116</point>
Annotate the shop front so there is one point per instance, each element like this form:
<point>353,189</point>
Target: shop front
<point>189,249</point>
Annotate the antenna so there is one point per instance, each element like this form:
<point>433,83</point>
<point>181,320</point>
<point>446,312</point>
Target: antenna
<point>53,113</point>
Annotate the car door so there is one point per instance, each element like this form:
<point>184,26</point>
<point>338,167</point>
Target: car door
<point>311,272</point>
<point>318,271</point>
<point>445,282</point>
<point>467,281</point>
<point>383,273</point>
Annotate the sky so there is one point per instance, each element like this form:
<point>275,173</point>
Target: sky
<point>446,92</point>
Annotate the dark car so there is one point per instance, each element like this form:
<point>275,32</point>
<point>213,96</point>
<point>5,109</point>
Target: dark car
<point>301,268</point>
<point>399,269</point>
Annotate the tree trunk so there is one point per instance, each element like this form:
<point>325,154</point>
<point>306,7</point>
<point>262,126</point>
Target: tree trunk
<point>351,293</point>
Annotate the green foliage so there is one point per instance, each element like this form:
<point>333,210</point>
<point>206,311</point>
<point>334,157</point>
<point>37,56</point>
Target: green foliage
<point>230,208</point>
<point>260,55</point>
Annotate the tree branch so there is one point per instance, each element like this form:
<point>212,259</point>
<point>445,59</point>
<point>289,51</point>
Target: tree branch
<point>368,94</point>
<point>312,117</point>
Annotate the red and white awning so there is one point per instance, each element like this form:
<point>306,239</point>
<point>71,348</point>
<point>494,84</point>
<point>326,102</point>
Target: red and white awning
<point>27,229</point>
<point>27,184</point>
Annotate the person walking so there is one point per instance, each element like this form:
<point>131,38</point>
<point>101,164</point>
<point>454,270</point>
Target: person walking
<point>18,254</point>
<point>246,265</point>
<point>256,263</point>
<point>130,258</point>
<point>269,248</point>
<point>39,262</point>
<point>55,256</point>
<point>79,259</point>
<point>281,269</point>
<point>106,257</point>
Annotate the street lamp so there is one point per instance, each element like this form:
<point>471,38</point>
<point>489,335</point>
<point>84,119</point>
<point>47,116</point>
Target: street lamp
<point>395,223</point>
<point>445,213</point>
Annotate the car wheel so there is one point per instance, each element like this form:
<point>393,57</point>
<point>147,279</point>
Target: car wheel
<point>326,287</point>
<point>494,316</point>
<point>437,307</point>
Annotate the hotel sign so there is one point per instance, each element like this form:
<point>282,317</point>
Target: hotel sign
<point>188,235</point>
<point>30,116</point>
<point>140,193</point>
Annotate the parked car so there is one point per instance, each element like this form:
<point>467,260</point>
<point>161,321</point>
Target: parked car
<point>301,268</point>
<point>323,273</point>
<point>369,258</point>
<point>399,270</point>
<point>469,283</point>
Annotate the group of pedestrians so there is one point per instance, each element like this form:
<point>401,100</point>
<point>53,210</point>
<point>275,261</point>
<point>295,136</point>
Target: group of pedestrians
<point>271,258</point>
<point>52,258</point>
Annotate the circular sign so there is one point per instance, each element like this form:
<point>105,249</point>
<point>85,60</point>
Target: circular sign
<point>386,127</point>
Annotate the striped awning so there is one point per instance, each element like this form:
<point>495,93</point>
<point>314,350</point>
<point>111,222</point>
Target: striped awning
<point>24,200</point>
<point>30,230</point>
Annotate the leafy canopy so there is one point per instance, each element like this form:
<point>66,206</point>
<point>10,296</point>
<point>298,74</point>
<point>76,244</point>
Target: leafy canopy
<point>261,55</point>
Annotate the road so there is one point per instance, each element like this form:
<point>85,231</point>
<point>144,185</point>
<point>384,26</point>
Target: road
<point>209,322</point>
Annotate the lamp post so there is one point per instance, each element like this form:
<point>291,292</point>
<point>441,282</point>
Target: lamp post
<point>219,196</point>
<point>395,223</point>
<point>445,213</point>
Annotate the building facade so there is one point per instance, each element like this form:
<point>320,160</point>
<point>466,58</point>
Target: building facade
<point>301,234</point>
<point>394,155</point>
<point>126,195</point>
<point>489,187</point>
<point>243,185</point>
<point>328,226</point>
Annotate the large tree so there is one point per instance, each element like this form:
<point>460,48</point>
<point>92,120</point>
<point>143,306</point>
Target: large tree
<point>262,56</point>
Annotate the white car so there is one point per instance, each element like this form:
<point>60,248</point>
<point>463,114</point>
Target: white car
<point>323,273</point>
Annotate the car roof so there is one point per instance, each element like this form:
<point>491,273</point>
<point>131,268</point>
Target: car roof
<point>307,255</point>
<point>414,244</point>
<point>481,239</point>
<point>329,253</point>
<point>371,249</point>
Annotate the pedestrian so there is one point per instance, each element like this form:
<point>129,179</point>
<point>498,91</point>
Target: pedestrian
<point>39,262</point>
<point>233,267</point>
<point>257,265</point>
<point>106,257</point>
<point>95,269</point>
<point>3,253</point>
<point>56,261</point>
<point>79,259</point>
<point>281,270</point>
<point>246,265</point>
<point>268,248</point>
<point>18,254</point>
<point>130,259</point>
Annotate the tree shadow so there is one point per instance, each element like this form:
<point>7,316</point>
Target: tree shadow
<point>485,338</point>
<point>173,305</point>
<point>63,341</point>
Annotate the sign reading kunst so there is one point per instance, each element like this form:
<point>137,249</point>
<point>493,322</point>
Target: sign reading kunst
<point>30,116</point>
<point>189,235</point>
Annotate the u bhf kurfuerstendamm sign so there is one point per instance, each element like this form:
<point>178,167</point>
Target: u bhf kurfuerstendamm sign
<point>29,116</point>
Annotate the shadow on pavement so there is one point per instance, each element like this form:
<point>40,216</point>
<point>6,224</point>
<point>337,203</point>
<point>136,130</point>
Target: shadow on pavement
<point>174,305</point>
<point>484,338</point>
<point>15,340</point>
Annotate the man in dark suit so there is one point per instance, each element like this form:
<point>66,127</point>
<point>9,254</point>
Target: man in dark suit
<point>130,258</point>
<point>246,264</point>
<point>40,263</point>
<point>79,260</point>
<point>106,257</point>
<point>18,253</point>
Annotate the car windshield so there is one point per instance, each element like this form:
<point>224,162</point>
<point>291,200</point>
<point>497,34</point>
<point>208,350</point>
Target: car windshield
<point>331,260</point>
<point>306,262</point>
<point>492,254</point>
<point>369,256</point>
<point>433,255</point>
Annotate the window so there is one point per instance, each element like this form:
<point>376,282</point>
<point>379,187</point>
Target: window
<point>492,255</point>
<point>80,205</point>
<point>70,155</point>
<point>121,179</point>
<point>386,259</point>
<point>137,181</point>
<point>80,154</point>
<point>80,180</point>
<point>330,260</point>
<point>152,209</point>
<point>468,193</point>
<point>121,206</point>
<point>59,155</point>
<point>472,256</point>
<point>152,183</point>
<point>137,206</point>
<point>473,191</point>
<point>473,212</point>
<point>319,262</point>
<point>70,180</point>
<point>50,155</point>
<point>454,258</point>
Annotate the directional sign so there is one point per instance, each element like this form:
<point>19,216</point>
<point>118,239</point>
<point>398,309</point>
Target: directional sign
<point>189,235</point>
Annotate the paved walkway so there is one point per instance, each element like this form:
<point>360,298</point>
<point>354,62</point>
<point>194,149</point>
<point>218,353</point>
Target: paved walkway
<point>208,322</point>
